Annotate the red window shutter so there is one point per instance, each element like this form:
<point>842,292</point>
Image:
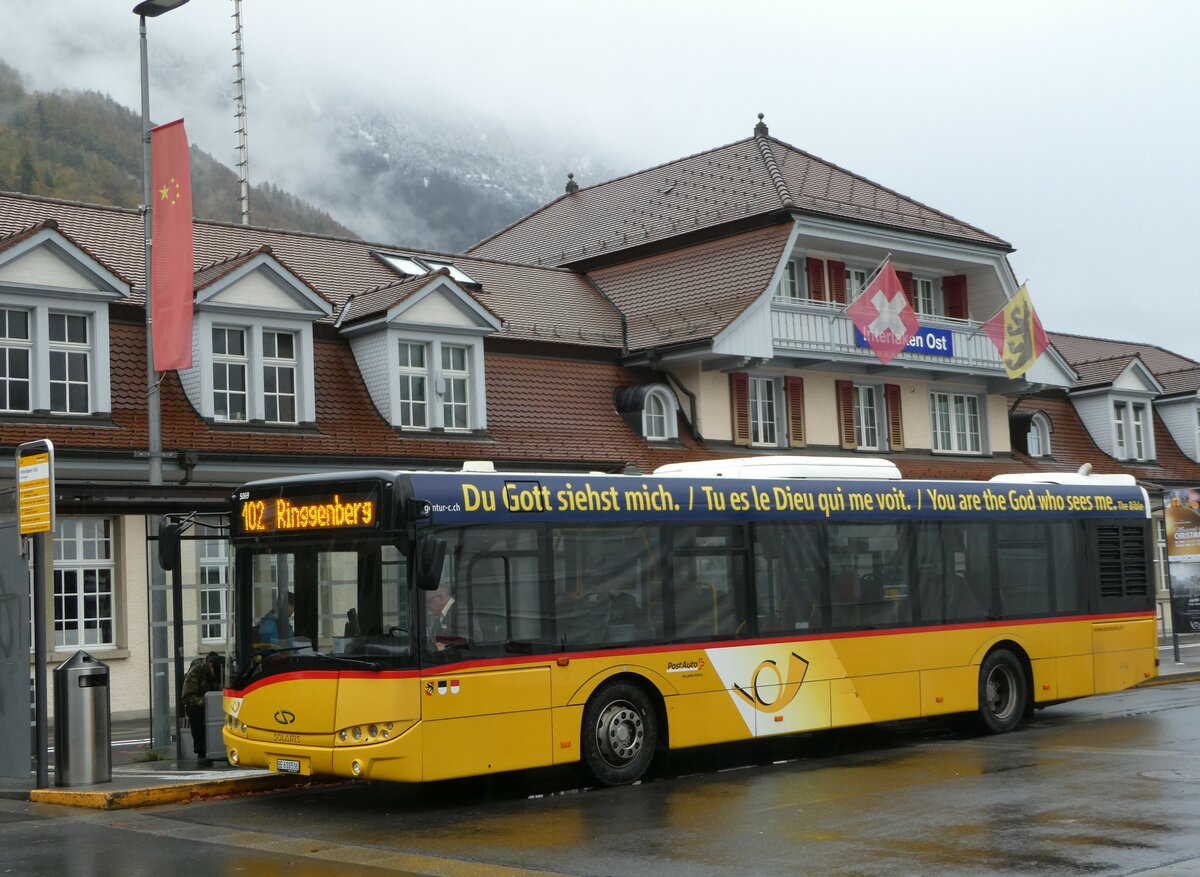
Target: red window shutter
<point>845,401</point>
<point>793,388</point>
<point>891,395</point>
<point>906,282</point>
<point>954,294</point>
<point>739,401</point>
<point>815,269</point>
<point>837,282</point>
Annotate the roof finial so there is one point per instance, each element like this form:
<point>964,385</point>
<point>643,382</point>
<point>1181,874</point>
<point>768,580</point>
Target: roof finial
<point>572,186</point>
<point>760,130</point>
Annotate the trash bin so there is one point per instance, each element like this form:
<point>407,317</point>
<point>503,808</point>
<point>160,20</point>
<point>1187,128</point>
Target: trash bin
<point>214,724</point>
<point>82,743</point>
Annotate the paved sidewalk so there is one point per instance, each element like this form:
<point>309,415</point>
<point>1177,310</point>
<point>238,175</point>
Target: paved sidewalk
<point>138,782</point>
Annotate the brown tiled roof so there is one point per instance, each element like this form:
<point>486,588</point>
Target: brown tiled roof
<point>1082,348</point>
<point>540,410</point>
<point>753,177</point>
<point>546,304</point>
<point>960,468</point>
<point>1184,380</point>
<point>693,293</point>
<point>1071,446</point>
<point>1102,371</point>
<point>10,237</point>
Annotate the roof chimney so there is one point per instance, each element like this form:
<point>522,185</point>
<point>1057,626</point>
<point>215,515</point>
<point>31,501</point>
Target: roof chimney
<point>760,130</point>
<point>572,186</point>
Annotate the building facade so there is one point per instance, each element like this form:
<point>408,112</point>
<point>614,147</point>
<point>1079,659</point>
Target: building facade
<point>694,310</point>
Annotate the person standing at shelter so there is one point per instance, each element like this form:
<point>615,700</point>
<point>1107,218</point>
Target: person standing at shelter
<point>203,676</point>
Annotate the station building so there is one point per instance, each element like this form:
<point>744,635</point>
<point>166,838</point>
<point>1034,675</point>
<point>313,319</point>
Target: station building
<point>694,310</point>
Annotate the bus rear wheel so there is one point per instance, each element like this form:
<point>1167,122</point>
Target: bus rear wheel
<point>620,733</point>
<point>1003,692</point>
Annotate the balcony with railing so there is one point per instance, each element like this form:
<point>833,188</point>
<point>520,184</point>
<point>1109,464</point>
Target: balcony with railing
<point>819,330</point>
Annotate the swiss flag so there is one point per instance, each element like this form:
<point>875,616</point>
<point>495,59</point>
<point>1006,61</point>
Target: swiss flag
<point>883,315</point>
<point>171,248</point>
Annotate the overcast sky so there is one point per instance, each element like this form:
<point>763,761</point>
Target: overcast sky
<point>1069,128</point>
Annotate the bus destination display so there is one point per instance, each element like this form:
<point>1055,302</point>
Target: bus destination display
<point>354,507</point>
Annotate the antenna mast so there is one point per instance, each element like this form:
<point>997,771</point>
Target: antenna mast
<point>239,82</point>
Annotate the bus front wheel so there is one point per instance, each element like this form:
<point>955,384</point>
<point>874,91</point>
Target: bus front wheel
<point>1003,692</point>
<point>620,733</point>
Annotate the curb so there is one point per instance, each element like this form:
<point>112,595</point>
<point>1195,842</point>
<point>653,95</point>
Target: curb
<point>172,793</point>
<point>1170,679</point>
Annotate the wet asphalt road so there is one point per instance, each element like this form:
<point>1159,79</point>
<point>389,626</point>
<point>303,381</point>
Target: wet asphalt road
<point>1106,786</point>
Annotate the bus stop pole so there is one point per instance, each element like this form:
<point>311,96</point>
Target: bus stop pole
<point>38,543</point>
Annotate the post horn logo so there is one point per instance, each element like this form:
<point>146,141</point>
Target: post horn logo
<point>285,717</point>
<point>772,693</point>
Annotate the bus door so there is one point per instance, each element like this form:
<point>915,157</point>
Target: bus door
<point>709,604</point>
<point>485,698</point>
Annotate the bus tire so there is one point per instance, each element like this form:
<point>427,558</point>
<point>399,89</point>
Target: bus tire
<point>1003,692</point>
<point>620,733</point>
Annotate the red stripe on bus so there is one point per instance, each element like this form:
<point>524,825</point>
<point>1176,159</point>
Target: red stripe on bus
<point>703,645</point>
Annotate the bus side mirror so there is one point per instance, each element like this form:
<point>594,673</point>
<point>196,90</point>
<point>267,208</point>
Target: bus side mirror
<point>169,557</point>
<point>428,560</point>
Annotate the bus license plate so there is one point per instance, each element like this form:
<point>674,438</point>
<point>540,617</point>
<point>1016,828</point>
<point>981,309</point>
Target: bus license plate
<point>287,765</point>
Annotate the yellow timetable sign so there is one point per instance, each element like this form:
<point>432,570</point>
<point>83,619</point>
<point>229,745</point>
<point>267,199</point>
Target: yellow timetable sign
<point>35,508</point>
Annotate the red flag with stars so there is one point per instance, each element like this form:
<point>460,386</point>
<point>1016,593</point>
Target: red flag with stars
<point>171,248</point>
<point>883,315</point>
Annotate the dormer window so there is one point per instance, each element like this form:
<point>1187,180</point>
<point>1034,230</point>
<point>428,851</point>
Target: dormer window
<point>54,336</point>
<point>1037,441</point>
<point>1130,438</point>
<point>254,358</point>
<point>651,410</point>
<point>419,266</point>
<point>419,347</point>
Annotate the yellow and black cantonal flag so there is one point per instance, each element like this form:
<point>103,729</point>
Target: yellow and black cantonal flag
<point>1018,334</point>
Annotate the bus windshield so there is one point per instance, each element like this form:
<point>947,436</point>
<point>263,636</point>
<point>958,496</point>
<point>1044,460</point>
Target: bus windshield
<point>317,602</point>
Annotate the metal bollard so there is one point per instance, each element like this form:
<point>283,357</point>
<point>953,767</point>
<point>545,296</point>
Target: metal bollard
<point>82,734</point>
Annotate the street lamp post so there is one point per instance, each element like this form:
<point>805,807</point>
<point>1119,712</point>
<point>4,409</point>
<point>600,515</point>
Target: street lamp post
<point>159,689</point>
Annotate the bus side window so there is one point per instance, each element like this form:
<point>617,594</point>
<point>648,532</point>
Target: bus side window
<point>709,581</point>
<point>789,578</point>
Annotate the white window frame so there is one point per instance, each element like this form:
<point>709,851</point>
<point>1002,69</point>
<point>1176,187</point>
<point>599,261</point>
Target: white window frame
<point>228,363</point>
<point>927,298</point>
<point>410,377</point>
<point>275,368</point>
<point>763,395</point>
<point>85,583</point>
<point>1133,437</point>
<point>213,586</point>
<point>443,387</point>
<point>13,347</point>
<point>95,314</point>
<point>867,431</point>
<point>856,281</point>
<point>1038,441</point>
<point>660,415</point>
<point>791,284</point>
<point>69,352</point>
<point>255,363</point>
<point>950,439</point>
<point>454,386</point>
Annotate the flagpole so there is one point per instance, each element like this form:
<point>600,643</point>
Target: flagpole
<point>154,410</point>
<point>979,328</point>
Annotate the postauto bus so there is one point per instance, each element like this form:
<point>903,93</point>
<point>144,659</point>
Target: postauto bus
<point>449,624</point>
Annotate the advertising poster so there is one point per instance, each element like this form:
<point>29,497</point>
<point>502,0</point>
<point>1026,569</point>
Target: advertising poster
<point>1182,511</point>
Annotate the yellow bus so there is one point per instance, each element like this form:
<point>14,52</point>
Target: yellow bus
<point>414,626</point>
